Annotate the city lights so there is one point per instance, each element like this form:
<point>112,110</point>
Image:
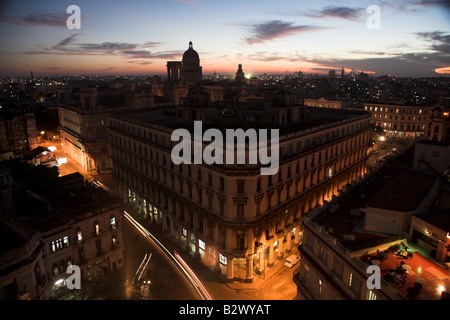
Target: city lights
<point>224,150</point>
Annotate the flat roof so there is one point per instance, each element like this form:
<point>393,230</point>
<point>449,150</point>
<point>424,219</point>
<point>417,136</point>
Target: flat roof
<point>404,193</point>
<point>439,219</point>
<point>166,118</point>
<point>345,217</point>
<point>10,238</point>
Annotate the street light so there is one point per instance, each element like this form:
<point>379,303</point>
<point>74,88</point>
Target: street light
<point>382,138</point>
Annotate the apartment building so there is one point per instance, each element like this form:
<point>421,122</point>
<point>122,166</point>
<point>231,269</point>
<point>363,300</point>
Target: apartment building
<point>229,216</point>
<point>82,120</point>
<point>399,121</point>
<point>77,223</point>
<point>385,221</point>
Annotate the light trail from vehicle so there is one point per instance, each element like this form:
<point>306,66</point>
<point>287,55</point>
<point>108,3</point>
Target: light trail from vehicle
<point>176,260</point>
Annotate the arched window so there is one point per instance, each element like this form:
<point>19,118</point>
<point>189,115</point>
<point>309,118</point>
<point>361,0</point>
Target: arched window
<point>80,237</point>
<point>96,228</point>
<point>113,222</point>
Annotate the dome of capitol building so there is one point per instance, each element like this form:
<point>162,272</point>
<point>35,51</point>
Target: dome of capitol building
<point>191,57</point>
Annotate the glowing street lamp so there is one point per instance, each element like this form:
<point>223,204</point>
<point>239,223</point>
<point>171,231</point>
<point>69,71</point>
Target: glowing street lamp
<point>382,138</point>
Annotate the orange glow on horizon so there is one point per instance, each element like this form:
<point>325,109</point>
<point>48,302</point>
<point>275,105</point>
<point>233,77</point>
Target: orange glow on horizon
<point>443,70</point>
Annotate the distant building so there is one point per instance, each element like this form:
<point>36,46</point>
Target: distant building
<point>438,125</point>
<point>328,103</point>
<point>191,69</point>
<point>82,120</point>
<point>240,75</point>
<point>18,132</point>
<point>399,121</point>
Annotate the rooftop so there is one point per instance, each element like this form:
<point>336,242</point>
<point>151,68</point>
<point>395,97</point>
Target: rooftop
<point>434,279</point>
<point>318,118</point>
<point>404,193</point>
<point>344,217</point>
<point>439,219</point>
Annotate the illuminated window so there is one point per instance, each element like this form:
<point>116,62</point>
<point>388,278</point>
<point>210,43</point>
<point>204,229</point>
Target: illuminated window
<point>66,241</point>
<point>112,221</point>
<point>97,228</point>
<point>79,235</point>
<point>223,260</point>
<point>330,172</point>
<point>319,287</point>
<point>201,244</point>
<point>372,295</point>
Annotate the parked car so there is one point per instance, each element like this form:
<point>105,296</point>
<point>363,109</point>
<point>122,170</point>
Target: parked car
<point>291,261</point>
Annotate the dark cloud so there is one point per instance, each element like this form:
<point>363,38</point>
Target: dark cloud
<point>141,63</point>
<point>66,41</point>
<point>411,64</point>
<point>439,41</point>
<point>37,19</point>
<point>378,53</point>
<point>265,56</point>
<point>69,46</point>
<point>274,29</point>
<point>108,46</point>
<point>339,12</point>
<point>441,3</point>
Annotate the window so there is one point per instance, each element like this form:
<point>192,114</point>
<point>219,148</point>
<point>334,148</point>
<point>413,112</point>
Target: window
<point>199,195</point>
<point>97,228</point>
<point>310,242</point>
<point>222,184</point>
<point>338,268</point>
<point>323,254</point>
<point>115,242</point>
<point>258,207</point>
<point>319,287</point>
<point>240,186</point>
<point>354,283</point>
<point>201,244</point>
<point>240,240</point>
<point>221,207</point>
<point>112,221</point>
<point>223,259</point>
<point>79,235</point>
<point>372,295</point>
<point>210,179</point>
<point>240,211</point>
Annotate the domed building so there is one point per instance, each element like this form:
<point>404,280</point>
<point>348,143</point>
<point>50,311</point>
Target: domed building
<point>191,69</point>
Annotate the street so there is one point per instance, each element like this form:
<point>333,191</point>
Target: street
<point>168,282</point>
<point>383,149</point>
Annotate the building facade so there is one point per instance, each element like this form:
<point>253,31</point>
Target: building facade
<point>379,222</point>
<point>22,272</point>
<point>234,220</point>
<point>82,122</point>
<point>18,132</point>
<point>399,121</point>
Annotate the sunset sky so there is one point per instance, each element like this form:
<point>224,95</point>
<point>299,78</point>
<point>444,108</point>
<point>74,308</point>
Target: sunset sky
<point>139,37</point>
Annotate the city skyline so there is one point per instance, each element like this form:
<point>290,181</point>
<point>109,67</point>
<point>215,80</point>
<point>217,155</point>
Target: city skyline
<point>288,36</point>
